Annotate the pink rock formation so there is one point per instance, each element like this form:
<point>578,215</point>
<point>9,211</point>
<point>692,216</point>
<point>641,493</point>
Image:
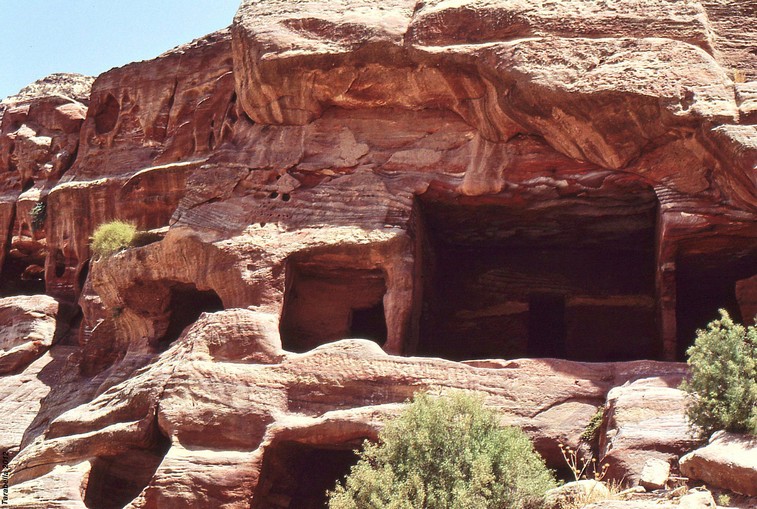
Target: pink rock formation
<point>39,139</point>
<point>27,328</point>
<point>728,461</point>
<point>454,181</point>
<point>645,420</point>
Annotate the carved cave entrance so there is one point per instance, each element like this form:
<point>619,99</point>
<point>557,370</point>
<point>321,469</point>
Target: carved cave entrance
<point>114,481</point>
<point>706,282</point>
<point>186,304</point>
<point>327,302</point>
<point>19,276</point>
<point>297,476</point>
<point>573,278</point>
<point>171,306</point>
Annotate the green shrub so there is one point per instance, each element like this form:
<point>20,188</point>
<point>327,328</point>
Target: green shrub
<point>39,215</point>
<point>445,453</point>
<point>112,237</point>
<point>723,378</point>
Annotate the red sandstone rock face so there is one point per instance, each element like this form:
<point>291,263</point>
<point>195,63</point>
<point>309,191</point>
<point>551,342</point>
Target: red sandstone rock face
<point>455,181</point>
<point>28,327</point>
<point>39,139</point>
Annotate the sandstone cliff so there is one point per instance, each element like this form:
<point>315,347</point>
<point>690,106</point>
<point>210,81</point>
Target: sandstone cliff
<point>478,181</point>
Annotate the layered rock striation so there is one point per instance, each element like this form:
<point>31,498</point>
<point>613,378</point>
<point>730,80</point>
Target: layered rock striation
<point>477,181</point>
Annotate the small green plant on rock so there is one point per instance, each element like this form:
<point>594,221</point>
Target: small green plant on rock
<point>723,378</point>
<point>591,433</point>
<point>446,453</point>
<point>112,237</point>
<point>39,215</point>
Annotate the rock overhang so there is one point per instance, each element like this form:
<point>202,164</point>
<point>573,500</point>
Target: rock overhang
<point>313,136</point>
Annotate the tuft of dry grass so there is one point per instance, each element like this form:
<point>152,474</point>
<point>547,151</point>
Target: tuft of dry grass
<point>614,487</point>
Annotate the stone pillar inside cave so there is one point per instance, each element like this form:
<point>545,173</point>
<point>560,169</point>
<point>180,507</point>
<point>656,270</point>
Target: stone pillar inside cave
<point>297,476</point>
<point>572,278</point>
<point>325,303</point>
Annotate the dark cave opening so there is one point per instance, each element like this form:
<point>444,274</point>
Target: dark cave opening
<point>573,279</point>
<point>369,323</point>
<point>297,476</point>
<point>546,325</point>
<point>325,303</point>
<point>705,283</point>
<point>83,274</point>
<point>60,264</point>
<point>114,481</point>
<point>19,277</point>
<point>186,305</point>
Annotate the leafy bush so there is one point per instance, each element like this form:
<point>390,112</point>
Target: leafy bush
<point>723,377</point>
<point>112,237</point>
<point>445,453</point>
<point>39,215</point>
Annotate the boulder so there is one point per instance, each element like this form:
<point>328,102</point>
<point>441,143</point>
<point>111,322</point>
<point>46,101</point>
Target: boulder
<point>645,421</point>
<point>576,492</point>
<point>697,500</point>
<point>655,474</point>
<point>728,461</point>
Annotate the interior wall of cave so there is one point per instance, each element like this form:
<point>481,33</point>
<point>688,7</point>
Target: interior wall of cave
<point>574,278</point>
<point>160,310</point>
<point>325,303</point>
<point>348,290</point>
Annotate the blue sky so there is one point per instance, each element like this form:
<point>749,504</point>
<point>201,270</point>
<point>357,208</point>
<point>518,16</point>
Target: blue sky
<point>41,37</point>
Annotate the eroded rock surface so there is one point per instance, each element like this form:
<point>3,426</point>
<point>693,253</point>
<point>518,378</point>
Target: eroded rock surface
<point>27,330</point>
<point>643,420</point>
<point>39,139</point>
<point>446,181</point>
<point>727,461</point>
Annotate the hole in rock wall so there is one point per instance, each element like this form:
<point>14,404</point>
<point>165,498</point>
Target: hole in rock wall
<point>18,277</point>
<point>60,264</point>
<point>704,284</point>
<point>571,278</point>
<point>326,303</point>
<point>297,476</point>
<point>114,481</point>
<point>186,305</point>
<point>107,115</point>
